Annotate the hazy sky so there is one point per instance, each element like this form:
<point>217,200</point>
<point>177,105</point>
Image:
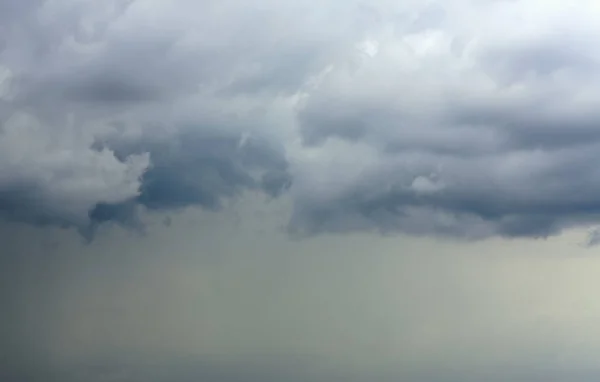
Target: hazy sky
<point>286,190</point>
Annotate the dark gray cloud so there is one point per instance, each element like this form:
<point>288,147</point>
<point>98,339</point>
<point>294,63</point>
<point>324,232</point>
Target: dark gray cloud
<point>460,118</point>
<point>158,107</point>
<point>428,119</point>
<point>498,137</point>
<point>195,170</point>
<point>105,77</point>
<point>467,130</point>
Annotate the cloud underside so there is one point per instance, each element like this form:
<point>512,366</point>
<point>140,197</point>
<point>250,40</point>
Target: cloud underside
<point>428,119</point>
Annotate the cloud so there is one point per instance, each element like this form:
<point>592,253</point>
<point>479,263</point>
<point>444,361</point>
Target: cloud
<point>499,129</point>
<point>461,118</point>
<point>462,127</point>
<point>57,178</point>
<point>195,170</point>
<point>124,114</point>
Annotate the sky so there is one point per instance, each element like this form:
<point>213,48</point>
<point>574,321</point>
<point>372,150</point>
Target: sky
<point>286,190</point>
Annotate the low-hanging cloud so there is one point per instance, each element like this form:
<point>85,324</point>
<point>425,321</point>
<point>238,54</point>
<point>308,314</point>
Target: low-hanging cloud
<point>463,128</point>
<point>397,117</point>
<point>460,118</point>
<point>116,118</point>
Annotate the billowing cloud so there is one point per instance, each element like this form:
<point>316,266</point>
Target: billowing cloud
<point>123,114</point>
<point>455,125</point>
<point>462,118</point>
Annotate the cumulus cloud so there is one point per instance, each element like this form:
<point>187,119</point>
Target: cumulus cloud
<point>479,121</point>
<point>104,111</point>
<point>463,118</point>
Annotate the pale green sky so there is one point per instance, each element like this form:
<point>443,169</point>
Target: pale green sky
<point>230,287</point>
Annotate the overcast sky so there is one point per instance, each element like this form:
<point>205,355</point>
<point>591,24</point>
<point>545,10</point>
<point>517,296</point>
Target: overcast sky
<point>286,190</point>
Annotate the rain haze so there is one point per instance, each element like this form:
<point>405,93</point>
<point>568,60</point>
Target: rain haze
<point>286,190</point>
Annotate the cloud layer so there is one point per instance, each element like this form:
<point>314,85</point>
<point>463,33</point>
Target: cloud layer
<point>453,125</point>
<point>462,118</point>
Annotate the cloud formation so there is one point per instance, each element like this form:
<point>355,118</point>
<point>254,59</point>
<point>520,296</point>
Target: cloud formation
<point>461,118</point>
<point>117,117</point>
<point>451,124</point>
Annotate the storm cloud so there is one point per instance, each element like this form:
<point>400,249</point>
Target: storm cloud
<point>224,129</point>
<point>458,127</point>
<point>116,118</point>
<point>467,119</point>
